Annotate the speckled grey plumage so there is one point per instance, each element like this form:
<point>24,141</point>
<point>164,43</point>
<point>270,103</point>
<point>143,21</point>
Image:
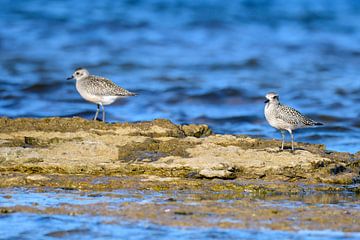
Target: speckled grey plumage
<point>283,117</point>
<point>103,87</point>
<point>292,116</point>
<point>98,90</point>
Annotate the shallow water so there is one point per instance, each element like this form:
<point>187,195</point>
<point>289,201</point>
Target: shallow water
<point>191,61</point>
<point>27,225</point>
<point>70,227</point>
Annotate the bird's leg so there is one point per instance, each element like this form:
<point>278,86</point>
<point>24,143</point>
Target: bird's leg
<point>103,112</point>
<point>283,139</point>
<point>97,111</point>
<point>292,140</point>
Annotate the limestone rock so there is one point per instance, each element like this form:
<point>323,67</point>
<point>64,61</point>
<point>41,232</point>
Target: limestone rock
<point>163,149</point>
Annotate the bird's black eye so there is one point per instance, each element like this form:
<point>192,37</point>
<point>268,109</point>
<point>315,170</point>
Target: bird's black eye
<point>77,73</point>
<point>275,97</point>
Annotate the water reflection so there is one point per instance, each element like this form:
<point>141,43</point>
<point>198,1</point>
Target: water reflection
<point>72,214</point>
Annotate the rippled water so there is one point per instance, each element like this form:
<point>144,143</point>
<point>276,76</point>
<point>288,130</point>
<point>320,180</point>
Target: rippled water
<point>68,227</point>
<point>191,61</point>
<point>27,225</point>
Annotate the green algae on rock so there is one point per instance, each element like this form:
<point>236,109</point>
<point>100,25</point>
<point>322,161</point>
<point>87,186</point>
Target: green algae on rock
<point>188,202</point>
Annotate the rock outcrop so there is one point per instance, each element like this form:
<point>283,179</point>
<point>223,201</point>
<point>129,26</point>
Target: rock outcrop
<point>164,149</point>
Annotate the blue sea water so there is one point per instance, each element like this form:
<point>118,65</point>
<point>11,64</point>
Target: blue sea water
<point>27,225</point>
<point>200,61</point>
<point>90,227</point>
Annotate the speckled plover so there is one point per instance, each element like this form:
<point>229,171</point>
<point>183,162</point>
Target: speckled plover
<point>283,117</point>
<point>98,90</point>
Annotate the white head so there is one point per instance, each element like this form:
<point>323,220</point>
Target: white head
<point>79,74</point>
<point>272,97</point>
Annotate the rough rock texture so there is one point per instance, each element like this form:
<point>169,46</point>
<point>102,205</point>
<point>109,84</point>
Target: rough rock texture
<point>161,148</point>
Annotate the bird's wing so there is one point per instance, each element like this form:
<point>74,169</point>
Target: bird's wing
<point>292,116</point>
<point>105,87</point>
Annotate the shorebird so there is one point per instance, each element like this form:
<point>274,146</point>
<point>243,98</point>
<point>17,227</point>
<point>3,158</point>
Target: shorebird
<point>283,117</point>
<point>98,90</point>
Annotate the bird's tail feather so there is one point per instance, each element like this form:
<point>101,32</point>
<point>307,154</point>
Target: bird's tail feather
<point>309,122</point>
<point>127,94</point>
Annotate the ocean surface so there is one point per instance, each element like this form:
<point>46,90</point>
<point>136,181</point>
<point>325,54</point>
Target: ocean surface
<point>206,62</point>
<point>29,225</point>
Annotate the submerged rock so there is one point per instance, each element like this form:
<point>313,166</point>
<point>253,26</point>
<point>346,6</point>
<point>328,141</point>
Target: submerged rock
<point>161,148</point>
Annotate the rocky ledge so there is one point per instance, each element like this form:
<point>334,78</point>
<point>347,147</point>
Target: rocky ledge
<point>163,149</point>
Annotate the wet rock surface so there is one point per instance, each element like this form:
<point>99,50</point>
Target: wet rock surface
<point>164,149</point>
<point>170,175</point>
<point>175,202</point>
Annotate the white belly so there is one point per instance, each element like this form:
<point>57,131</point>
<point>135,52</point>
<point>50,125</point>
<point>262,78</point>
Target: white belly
<point>275,122</point>
<point>103,100</point>
<point>98,99</point>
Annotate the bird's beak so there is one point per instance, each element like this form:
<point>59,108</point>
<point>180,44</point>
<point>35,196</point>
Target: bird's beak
<point>69,78</point>
<point>267,100</point>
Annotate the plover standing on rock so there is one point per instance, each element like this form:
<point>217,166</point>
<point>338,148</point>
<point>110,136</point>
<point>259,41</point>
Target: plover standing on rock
<point>283,117</point>
<point>98,90</point>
